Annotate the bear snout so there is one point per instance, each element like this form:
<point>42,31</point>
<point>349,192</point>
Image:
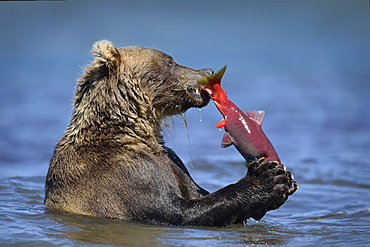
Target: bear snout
<point>209,71</point>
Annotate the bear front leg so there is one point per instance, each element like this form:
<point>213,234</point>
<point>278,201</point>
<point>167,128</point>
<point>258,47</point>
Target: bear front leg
<point>265,187</point>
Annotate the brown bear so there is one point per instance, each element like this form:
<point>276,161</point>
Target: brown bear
<point>112,162</point>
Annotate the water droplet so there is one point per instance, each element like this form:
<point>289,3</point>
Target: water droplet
<point>200,115</point>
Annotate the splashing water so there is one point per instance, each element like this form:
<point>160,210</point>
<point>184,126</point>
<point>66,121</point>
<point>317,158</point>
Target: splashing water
<point>182,116</point>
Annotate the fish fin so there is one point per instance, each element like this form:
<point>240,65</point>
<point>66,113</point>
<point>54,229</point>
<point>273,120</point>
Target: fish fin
<point>227,140</point>
<point>257,116</point>
<point>221,124</point>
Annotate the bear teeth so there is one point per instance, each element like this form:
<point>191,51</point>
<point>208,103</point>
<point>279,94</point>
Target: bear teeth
<point>197,90</point>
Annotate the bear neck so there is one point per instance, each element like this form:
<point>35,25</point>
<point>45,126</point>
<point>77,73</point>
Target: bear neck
<point>113,115</point>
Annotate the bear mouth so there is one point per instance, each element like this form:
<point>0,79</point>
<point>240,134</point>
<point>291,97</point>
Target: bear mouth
<point>196,96</point>
<point>197,92</point>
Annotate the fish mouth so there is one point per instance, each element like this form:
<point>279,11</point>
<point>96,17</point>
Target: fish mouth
<point>208,91</point>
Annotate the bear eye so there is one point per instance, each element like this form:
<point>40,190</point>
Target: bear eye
<point>169,61</point>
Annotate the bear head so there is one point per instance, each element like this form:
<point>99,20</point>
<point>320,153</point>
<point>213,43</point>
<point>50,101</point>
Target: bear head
<point>134,87</point>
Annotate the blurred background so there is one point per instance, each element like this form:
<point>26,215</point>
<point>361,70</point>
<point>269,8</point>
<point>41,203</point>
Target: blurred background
<point>305,62</point>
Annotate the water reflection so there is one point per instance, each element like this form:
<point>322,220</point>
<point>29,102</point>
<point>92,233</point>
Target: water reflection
<point>117,232</point>
<point>105,231</point>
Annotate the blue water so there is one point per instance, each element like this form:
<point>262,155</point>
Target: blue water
<point>306,63</point>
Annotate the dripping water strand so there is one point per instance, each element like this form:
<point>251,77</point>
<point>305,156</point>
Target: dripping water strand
<point>168,125</point>
<point>182,116</point>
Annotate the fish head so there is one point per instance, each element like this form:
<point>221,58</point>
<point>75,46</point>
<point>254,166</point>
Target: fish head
<point>210,80</point>
<point>212,84</point>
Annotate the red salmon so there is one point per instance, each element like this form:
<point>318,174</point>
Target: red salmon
<point>242,130</point>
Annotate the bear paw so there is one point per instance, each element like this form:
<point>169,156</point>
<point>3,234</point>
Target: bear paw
<point>274,182</point>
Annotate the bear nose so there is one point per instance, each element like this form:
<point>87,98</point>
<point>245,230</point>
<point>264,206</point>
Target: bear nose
<point>209,71</point>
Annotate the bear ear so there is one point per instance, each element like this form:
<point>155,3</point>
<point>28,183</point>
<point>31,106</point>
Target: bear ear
<point>105,51</point>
